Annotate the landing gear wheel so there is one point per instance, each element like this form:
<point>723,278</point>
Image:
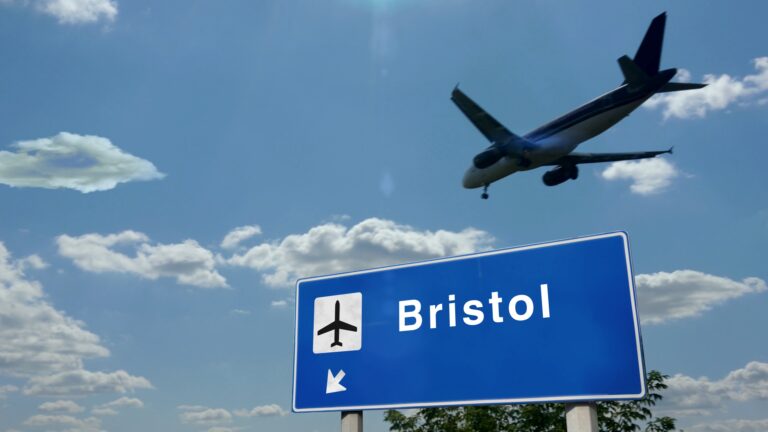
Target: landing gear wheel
<point>485,192</point>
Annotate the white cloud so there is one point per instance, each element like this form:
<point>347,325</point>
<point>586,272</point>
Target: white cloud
<point>733,425</point>
<point>722,92</point>
<point>5,389</point>
<point>687,396</point>
<point>85,425</point>
<point>73,11</point>
<point>102,412</point>
<point>79,11</point>
<point>648,176</point>
<point>124,402</point>
<point>200,415</point>
<point>240,312</point>
<point>188,262</point>
<point>35,338</point>
<point>33,261</point>
<point>223,429</point>
<point>85,163</point>
<point>279,304</point>
<point>67,406</point>
<point>666,296</point>
<point>332,247</point>
<point>238,235</point>
<point>44,345</point>
<point>83,382</point>
<point>109,408</point>
<point>270,410</point>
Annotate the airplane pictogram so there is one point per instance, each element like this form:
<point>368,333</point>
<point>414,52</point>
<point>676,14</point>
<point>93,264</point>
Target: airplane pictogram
<point>337,325</point>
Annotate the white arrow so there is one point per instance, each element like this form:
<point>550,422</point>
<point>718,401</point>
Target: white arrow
<point>333,384</point>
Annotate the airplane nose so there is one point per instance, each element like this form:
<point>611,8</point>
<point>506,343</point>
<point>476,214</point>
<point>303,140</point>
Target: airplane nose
<point>470,180</point>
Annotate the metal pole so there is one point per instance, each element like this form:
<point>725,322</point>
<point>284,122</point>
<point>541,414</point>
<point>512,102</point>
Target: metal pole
<point>581,417</point>
<point>351,421</point>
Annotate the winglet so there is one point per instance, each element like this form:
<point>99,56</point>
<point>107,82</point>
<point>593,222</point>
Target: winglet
<point>670,150</point>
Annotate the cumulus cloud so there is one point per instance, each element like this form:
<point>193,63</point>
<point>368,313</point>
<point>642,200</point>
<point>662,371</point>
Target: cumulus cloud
<point>332,247</point>
<point>32,262</point>
<point>35,338</point>
<point>270,410</point>
<point>733,425</point>
<point>238,235</point>
<point>201,415</point>
<point>73,11</point>
<point>687,396</point>
<point>666,296</point>
<point>648,176</point>
<point>67,406</point>
<point>722,91</point>
<point>83,382</point>
<point>103,412</point>
<point>5,389</point>
<point>109,408</point>
<point>85,163</point>
<point>188,262</point>
<point>82,425</point>
<point>124,402</point>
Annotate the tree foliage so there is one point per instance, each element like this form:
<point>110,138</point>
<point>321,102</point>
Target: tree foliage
<point>613,416</point>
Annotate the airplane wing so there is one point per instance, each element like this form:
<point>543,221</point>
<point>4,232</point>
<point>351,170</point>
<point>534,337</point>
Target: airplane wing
<point>327,328</point>
<point>484,122</point>
<point>583,158</point>
<point>344,326</point>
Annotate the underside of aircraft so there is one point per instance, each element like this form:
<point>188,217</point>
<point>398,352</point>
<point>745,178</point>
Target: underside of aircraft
<point>553,143</point>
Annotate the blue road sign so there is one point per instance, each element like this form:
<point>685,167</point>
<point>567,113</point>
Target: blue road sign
<point>541,323</point>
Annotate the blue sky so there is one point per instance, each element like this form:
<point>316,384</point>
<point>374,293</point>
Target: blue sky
<point>137,135</point>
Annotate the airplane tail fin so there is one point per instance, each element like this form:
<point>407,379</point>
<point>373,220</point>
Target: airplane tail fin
<point>648,56</point>
<point>648,59</point>
<point>336,344</point>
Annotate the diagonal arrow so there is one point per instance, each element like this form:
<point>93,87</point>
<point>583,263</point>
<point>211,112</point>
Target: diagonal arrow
<point>333,384</point>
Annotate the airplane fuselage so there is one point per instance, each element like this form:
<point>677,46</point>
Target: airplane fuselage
<point>561,136</point>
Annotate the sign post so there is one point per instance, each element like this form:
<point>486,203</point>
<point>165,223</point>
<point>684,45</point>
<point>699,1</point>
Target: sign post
<point>581,417</point>
<point>351,421</point>
<point>490,328</point>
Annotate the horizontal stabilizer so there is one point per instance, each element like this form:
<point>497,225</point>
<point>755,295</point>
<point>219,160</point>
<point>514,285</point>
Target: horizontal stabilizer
<point>633,75</point>
<point>673,87</point>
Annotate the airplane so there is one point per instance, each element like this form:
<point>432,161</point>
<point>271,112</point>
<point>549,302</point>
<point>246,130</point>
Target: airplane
<point>553,144</point>
<point>337,325</point>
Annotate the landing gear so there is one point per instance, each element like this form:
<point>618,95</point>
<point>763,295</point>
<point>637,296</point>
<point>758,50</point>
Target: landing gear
<point>485,192</point>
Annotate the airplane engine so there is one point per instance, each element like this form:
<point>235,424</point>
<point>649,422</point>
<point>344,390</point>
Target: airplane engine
<point>560,174</point>
<point>488,158</point>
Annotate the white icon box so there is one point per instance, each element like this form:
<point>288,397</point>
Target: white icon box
<point>338,323</point>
